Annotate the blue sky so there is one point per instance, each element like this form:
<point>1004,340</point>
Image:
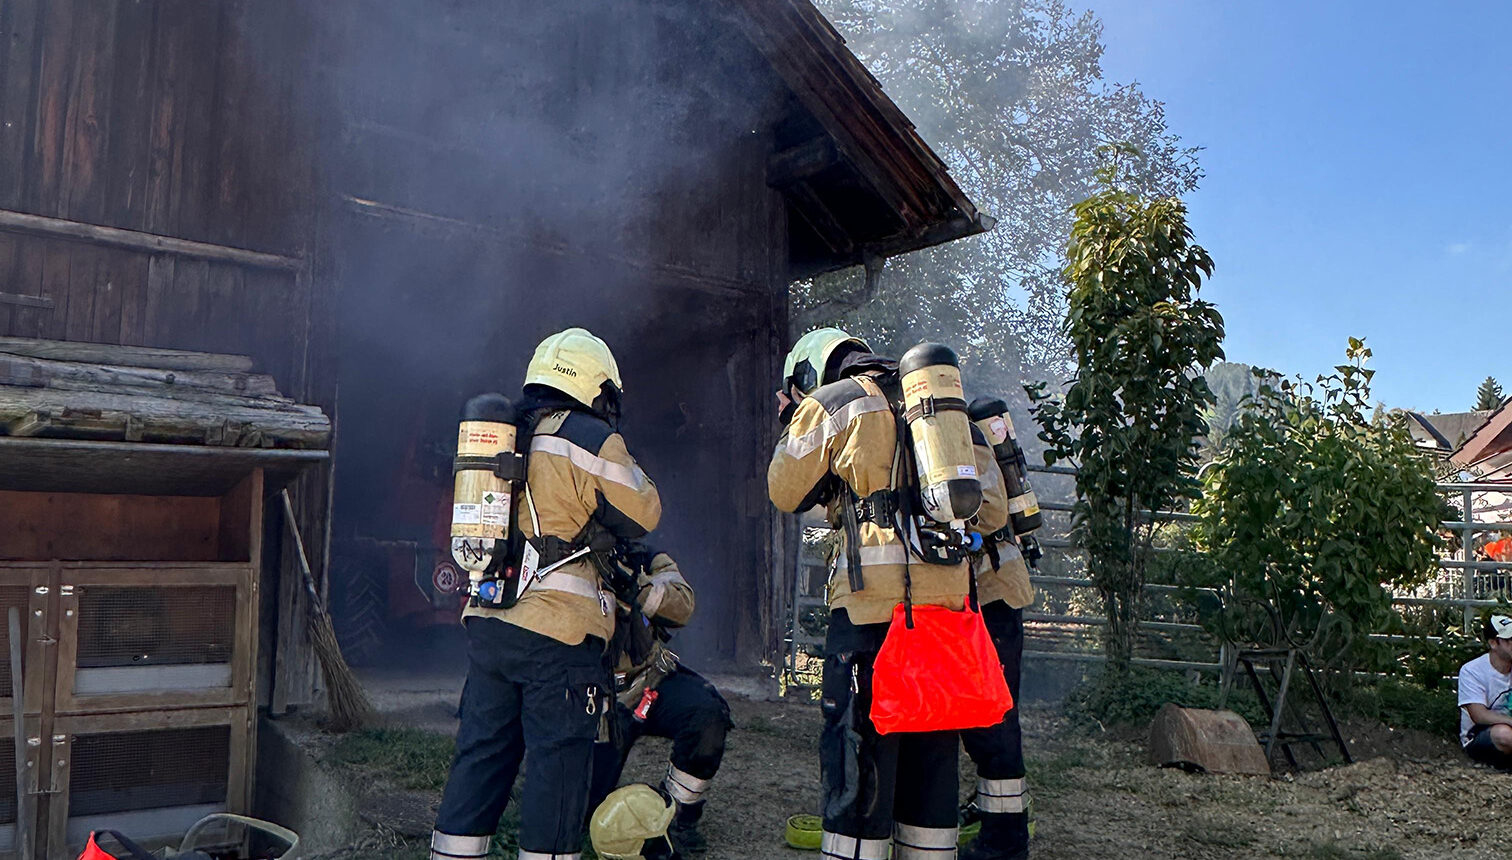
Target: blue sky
<point>1359,178</point>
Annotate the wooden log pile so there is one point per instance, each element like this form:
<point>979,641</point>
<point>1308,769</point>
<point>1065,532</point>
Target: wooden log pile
<point>69,390</point>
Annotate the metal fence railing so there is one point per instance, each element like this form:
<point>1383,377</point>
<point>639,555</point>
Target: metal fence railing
<point>1065,622</point>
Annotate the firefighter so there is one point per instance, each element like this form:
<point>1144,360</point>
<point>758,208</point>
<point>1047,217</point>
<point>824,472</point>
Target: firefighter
<point>998,751</point>
<point>537,685</point>
<point>838,449</point>
<point>660,697</point>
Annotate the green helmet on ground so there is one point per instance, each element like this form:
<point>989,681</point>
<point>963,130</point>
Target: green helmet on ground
<point>627,819</point>
<point>576,363</point>
<point>809,357</point>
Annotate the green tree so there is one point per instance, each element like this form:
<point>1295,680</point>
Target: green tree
<point>1133,414</point>
<point>1489,395</point>
<point>1010,93</point>
<point>1313,513</point>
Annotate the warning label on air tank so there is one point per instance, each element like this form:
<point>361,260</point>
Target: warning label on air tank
<point>494,509</point>
<point>467,514</point>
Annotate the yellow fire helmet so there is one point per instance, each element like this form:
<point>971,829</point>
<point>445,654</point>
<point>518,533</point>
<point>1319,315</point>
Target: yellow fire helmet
<point>805,363</point>
<point>627,818</point>
<point>576,362</point>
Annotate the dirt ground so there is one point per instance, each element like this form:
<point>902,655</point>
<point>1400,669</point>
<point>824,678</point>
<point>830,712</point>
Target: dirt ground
<point>1408,796</point>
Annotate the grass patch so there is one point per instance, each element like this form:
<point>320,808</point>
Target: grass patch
<point>1051,776</point>
<point>409,758</point>
<point>419,761</point>
<point>759,725</point>
<point>1218,835</point>
<point>1406,705</point>
<point>1332,850</point>
<point>1110,699</point>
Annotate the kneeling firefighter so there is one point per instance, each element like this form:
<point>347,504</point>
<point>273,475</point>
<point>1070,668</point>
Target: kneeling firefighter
<point>658,695</point>
<point>539,617</point>
<point>1004,587</point>
<point>886,447</point>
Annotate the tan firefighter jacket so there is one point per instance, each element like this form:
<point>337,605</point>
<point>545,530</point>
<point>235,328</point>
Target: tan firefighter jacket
<point>579,470</point>
<point>667,598</point>
<point>846,429</point>
<point>1010,581</point>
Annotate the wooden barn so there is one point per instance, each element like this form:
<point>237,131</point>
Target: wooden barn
<point>386,204</point>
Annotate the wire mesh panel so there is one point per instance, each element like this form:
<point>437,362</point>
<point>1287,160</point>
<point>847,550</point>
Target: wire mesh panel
<point>137,639</point>
<point>18,596</point>
<point>151,784</point>
<point>7,800</point>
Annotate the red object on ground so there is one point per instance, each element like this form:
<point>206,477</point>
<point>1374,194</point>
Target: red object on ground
<point>940,675</point>
<point>92,851</point>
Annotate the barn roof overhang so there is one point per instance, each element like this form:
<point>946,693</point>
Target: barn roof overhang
<point>858,179</point>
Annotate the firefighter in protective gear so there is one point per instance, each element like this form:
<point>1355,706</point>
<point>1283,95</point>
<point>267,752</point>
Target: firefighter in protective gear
<point>631,824</point>
<point>881,792</point>
<point>1004,590</point>
<point>660,697</point>
<point>536,678</point>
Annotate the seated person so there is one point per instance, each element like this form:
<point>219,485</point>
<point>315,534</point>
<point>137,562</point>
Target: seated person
<point>658,696</point>
<point>1485,724</point>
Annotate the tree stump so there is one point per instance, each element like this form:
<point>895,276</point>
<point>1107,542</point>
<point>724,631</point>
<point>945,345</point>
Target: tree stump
<point>1211,741</point>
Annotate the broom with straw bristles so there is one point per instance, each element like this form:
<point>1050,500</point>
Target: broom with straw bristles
<point>350,708</point>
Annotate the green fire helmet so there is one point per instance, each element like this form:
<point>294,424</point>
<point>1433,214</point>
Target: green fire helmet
<point>575,363</point>
<point>805,363</point>
<point>626,819</point>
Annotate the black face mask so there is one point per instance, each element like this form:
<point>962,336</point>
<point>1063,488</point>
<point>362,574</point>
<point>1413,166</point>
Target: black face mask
<point>607,405</point>
<point>785,416</point>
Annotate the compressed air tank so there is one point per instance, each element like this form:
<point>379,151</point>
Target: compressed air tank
<point>990,414</point>
<point>486,476</point>
<point>935,410</point>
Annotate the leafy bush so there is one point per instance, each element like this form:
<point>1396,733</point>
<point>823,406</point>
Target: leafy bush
<point>1313,513</point>
<point>1405,705</point>
<point>1115,699</point>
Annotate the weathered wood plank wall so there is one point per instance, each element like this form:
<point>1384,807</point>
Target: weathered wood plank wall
<point>603,169</point>
<point>174,118</point>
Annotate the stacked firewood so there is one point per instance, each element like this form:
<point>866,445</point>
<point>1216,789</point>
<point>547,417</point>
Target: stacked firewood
<point>70,390</point>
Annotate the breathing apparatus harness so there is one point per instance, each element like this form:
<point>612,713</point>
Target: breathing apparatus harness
<point>902,507</point>
<point>503,570</point>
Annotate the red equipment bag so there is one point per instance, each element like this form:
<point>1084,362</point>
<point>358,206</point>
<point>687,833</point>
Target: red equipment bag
<point>93,851</point>
<point>940,673</point>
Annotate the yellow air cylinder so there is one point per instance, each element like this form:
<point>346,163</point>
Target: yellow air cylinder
<point>935,409</point>
<point>991,416</point>
<point>486,473</point>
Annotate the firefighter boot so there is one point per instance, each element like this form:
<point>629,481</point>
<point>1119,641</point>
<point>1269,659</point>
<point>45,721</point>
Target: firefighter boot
<point>684,830</point>
<point>1004,836</point>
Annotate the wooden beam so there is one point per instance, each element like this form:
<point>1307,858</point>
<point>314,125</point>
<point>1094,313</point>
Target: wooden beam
<point>801,162</point>
<point>826,226</point>
<point>125,356</point>
<point>188,384</point>
<point>26,301</point>
<point>446,225</point>
<point>152,243</point>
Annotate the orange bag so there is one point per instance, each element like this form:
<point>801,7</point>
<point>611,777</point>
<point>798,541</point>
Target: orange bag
<point>940,674</point>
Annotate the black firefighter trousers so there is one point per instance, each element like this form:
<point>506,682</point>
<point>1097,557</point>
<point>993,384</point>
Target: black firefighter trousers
<point>878,787</point>
<point>525,693</point>
<point>689,712</point>
<point>999,750</point>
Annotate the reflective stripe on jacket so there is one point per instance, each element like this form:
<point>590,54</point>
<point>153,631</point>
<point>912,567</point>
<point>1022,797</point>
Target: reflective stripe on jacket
<point>579,471</point>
